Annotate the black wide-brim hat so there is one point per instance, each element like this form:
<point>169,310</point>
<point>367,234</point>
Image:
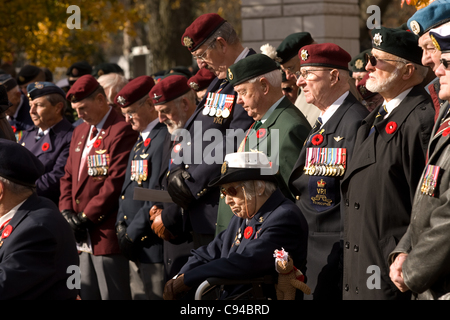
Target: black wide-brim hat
<point>244,166</point>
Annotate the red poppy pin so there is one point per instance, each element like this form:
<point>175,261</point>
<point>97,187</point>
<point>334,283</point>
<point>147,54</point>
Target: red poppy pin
<point>147,142</point>
<point>14,129</point>
<point>446,132</point>
<point>261,133</point>
<point>97,143</point>
<point>7,231</point>
<point>391,127</point>
<point>45,146</point>
<point>177,148</point>
<point>317,139</point>
<point>248,232</point>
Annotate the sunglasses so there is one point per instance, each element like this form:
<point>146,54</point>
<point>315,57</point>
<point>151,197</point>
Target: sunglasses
<point>287,89</point>
<point>373,61</point>
<point>230,191</point>
<point>444,63</point>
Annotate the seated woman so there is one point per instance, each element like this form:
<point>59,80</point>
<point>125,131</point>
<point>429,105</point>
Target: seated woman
<point>264,220</point>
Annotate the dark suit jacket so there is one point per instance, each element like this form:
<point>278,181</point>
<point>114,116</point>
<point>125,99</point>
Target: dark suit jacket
<point>378,190</point>
<point>35,256</point>
<point>203,213</point>
<point>136,213</point>
<point>54,158</point>
<point>324,250</point>
<point>98,197</point>
<point>278,224</point>
<point>23,120</point>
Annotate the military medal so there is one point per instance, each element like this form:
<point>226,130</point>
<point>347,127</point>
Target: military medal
<point>208,102</point>
<point>228,106</point>
<point>214,105</point>
<point>430,180</point>
<point>221,105</point>
<point>98,165</point>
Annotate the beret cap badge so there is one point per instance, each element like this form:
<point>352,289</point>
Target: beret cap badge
<point>415,27</point>
<point>188,42</point>
<point>304,55</point>
<point>156,97</point>
<point>435,43</point>
<point>230,74</point>
<point>377,39</point>
<point>359,64</point>
<point>194,85</point>
<point>121,100</point>
<point>224,168</point>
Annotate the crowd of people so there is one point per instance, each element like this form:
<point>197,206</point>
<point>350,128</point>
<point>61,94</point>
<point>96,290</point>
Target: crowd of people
<point>338,161</point>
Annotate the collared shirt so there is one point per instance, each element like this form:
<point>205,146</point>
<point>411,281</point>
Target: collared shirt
<point>242,55</point>
<point>325,116</point>
<point>391,105</point>
<point>149,128</point>
<point>100,125</point>
<point>8,216</point>
<point>272,108</point>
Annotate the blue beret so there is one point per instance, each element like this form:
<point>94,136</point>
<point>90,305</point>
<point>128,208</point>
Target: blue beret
<point>432,16</point>
<point>441,38</point>
<point>39,89</point>
<point>18,164</point>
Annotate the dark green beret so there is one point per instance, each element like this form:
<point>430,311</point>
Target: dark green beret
<point>290,46</point>
<point>27,74</point>
<point>105,68</point>
<point>400,43</point>
<point>79,69</point>
<point>249,68</point>
<point>358,63</point>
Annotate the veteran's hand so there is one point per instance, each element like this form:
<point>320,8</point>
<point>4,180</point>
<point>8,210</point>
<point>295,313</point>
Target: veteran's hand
<point>175,288</point>
<point>396,274</point>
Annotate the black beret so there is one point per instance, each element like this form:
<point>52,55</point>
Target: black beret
<point>249,68</point>
<point>79,69</point>
<point>4,102</point>
<point>18,164</point>
<point>105,68</point>
<point>8,81</point>
<point>28,73</point>
<point>358,63</point>
<point>290,46</point>
<point>39,89</point>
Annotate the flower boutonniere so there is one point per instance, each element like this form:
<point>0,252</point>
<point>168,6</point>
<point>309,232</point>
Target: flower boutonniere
<point>317,139</point>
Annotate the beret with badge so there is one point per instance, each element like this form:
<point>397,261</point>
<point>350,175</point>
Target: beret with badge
<point>133,91</point>
<point>399,42</point>
<point>105,68</point>
<point>200,30</point>
<point>82,88</point>
<point>441,38</point>
<point>169,88</point>
<point>430,17</point>
<point>250,67</point>
<point>290,46</point>
<point>18,164</point>
<point>42,88</point>
<point>29,73</point>
<point>201,79</point>
<point>79,69</point>
<point>358,63</point>
<point>324,55</point>
<point>244,166</point>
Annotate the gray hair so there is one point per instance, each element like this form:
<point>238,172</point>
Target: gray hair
<point>55,98</point>
<point>225,31</point>
<point>16,188</point>
<point>114,82</point>
<point>250,187</point>
<point>190,96</point>
<point>273,77</point>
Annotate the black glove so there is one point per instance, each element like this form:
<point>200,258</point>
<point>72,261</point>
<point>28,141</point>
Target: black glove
<point>128,248</point>
<point>178,190</point>
<point>78,222</point>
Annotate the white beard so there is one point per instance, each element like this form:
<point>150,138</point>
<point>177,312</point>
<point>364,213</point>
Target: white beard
<point>375,85</point>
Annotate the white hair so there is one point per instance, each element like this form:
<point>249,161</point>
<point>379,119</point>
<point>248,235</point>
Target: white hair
<point>273,77</point>
<point>250,185</point>
<point>114,82</point>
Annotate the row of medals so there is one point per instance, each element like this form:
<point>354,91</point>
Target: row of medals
<point>333,170</point>
<point>430,180</point>
<point>214,110</point>
<point>98,171</point>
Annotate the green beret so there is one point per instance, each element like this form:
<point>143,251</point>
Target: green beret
<point>358,63</point>
<point>249,68</point>
<point>400,43</point>
<point>290,46</point>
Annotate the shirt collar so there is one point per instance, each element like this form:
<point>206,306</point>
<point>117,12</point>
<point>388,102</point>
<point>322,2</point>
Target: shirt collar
<point>272,108</point>
<point>243,54</point>
<point>325,116</point>
<point>149,128</point>
<point>391,105</point>
<point>10,214</point>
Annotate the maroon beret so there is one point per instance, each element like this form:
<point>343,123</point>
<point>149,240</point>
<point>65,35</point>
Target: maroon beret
<point>169,88</point>
<point>201,80</point>
<point>324,55</point>
<point>200,30</point>
<point>133,91</point>
<point>82,88</point>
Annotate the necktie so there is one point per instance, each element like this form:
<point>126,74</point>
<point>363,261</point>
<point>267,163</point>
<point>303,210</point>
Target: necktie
<point>380,116</point>
<point>316,127</point>
<point>223,84</point>
<point>257,125</point>
<point>39,136</point>
<point>94,133</point>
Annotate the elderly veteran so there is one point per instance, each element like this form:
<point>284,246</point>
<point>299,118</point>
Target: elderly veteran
<point>420,261</point>
<point>317,174</point>
<point>213,42</point>
<point>287,57</point>
<point>431,16</point>
<point>37,246</point>
<point>6,131</point>
<point>136,239</point>
<point>389,156</point>
<point>201,81</point>
<point>175,102</point>
<point>279,130</point>
<point>49,138</point>
<point>90,189</point>
<point>265,220</point>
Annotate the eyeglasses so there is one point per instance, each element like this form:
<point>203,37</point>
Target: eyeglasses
<point>287,89</point>
<point>230,191</point>
<point>373,61</point>
<point>305,74</point>
<point>444,62</point>
<point>202,56</point>
<point>129,115</point>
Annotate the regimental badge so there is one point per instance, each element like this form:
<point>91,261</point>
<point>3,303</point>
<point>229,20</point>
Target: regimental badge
<point>415,27</point>
<point>224,168</point>
<point>230,74</point>
<point>430,180</point>
<point>304,55</point>
<point>121,100</point>
<point>377,39</point>
<point>38,85</point>
<point>359,64</point>
<point>323,192</point>
<point>194,85</point>
<point>100,72</point>
<point>435,43</point>
<point>156,97</point>
<point>75,72</point>
<point>188,42</point>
